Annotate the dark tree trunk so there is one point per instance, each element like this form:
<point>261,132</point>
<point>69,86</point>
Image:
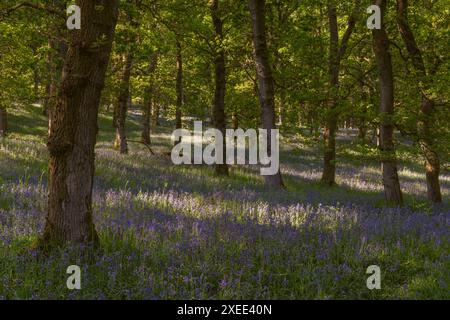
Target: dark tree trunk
<point>362,131</point>
<point>3,122</point>
<point>265,79</point>
<point>179,88</point>
<point>235,120</point>
<point>122,105</point>
<point>219,118</point>
<point>391,183</point>
<point>424,125</point>
<point>146,112</point>
<point>432,163</point>
<point>74,127</point>
<point>329,158</point>
<point>336,54</point>
<point>149,100</point>
<point>155,113</point>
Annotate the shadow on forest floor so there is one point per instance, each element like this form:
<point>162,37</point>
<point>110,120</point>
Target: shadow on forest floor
<point>179,232</point>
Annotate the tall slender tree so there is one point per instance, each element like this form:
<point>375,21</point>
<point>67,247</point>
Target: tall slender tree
<point>383,58</point>
<point>179,86</point>
<point>149,99</point>
<point>220,81</point>
<point>3,121</point>
<point>424,125</point>
<point>265,78</point>
<point>122,104</point>
<point>337,51</point>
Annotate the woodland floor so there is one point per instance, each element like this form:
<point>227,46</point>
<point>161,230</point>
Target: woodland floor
<point>179,232</point>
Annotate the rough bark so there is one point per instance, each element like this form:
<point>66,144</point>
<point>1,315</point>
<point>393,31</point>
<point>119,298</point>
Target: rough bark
<point>179,88</point>
<point>432,162</point>
<point>219,118</point>
<point>55,61</point>
<point>149,100</point>
<point>391,183</point>
<point>265,78</point>
<point>424,125</point>
<point>74,127</point>
<point>122,105</point>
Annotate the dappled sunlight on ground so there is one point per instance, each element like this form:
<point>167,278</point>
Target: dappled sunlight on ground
<point>180,232</point>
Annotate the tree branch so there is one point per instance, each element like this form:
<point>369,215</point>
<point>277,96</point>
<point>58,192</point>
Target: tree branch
<point>41,7</point>
<point>349,31</point>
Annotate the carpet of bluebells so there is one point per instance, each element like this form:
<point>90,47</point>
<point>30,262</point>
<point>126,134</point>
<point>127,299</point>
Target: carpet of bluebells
<point>179,232</point>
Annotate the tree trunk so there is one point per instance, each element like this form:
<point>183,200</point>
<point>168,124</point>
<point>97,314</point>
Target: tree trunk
<point>155,114</point>
<point>424,125</point>
<point>55,61</point>
<point>265,79</point>
<point>36,77</point>
<point>281,108</point>
<point>362,131</point>
<point>391,183</point>
<point>219,118</point>
<point>3,121</point>
<point>122,105</point>
<point>432,163</point>
<point>361,119</point>
<point>336,54</point>
<point>46,102</point>
<point>74,127</point>
<point>179,88</point>
<point>51,86</point>
<point>149,100</point>
<point>146,113</point>
<point>235,121</point>
<point>329,158</point>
